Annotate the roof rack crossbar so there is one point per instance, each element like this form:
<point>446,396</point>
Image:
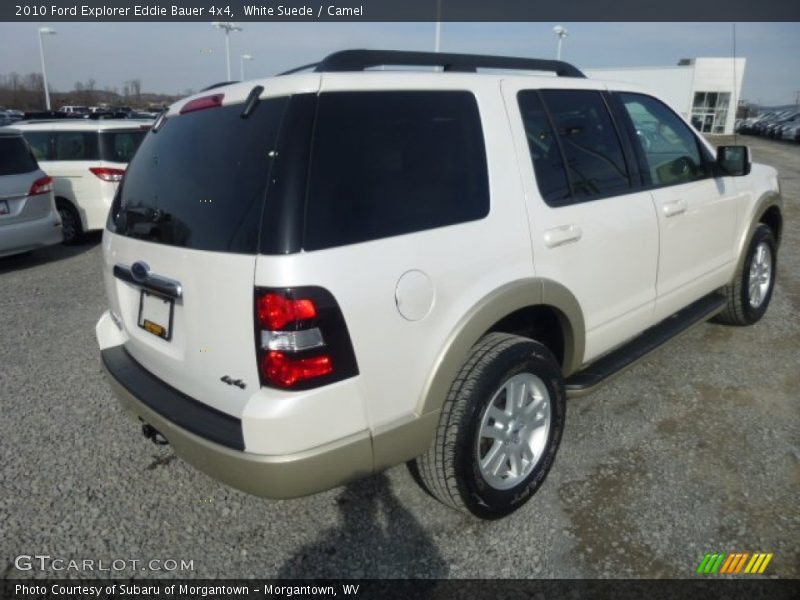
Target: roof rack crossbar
<point>359,60</point>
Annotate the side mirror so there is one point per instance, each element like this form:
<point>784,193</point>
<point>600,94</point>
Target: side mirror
<point>734,160</point>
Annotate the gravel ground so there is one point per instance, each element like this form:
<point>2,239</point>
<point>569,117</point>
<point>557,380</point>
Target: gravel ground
<point>696,449</point>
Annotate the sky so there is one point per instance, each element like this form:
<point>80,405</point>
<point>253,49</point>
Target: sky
<point>175,57</point>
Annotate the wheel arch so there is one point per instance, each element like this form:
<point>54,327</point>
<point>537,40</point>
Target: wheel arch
<point>78,211</point>
<point>518,302</point>
<point>768,210</point>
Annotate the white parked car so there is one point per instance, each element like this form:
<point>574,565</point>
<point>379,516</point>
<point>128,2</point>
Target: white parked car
<point>86,160</point>
<point>74,110</point>
<point>320,275</point>
<point>28,216</point>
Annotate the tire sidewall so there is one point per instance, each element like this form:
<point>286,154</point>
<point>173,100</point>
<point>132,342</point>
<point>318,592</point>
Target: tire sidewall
<point>525,357</point>
<point>761,234</point>
<point>66,207</point>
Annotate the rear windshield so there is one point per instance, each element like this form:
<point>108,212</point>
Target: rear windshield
<point>15,156</point>
<point>199,181</point>
<point>120,146</point>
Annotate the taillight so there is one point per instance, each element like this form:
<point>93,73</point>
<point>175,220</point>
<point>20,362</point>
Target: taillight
<point>301,338</point>
<point>202,103</point>
<point>43,185</point>
<point>107,173</point>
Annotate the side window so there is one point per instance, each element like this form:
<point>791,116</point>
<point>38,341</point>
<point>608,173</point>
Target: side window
<point>76,145</point>
<point>120,146</point>
<point>669,146</point>
<point>390,163</point>
<point>551,173</point>
<point>39,141</point>
<point>592,150</point>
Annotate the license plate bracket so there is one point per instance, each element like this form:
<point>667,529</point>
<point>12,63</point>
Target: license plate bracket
<point>156,314</point>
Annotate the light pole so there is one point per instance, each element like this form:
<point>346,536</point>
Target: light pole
<point>438,36</point>
<point>42,32</point>
<point>561,32</point>
<point>227,28</point>
<point>244,57</point>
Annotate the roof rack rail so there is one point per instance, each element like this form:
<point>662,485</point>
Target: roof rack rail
<point>359,60</point>
<point>220,84</point>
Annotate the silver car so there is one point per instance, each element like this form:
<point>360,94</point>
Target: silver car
<point>28,215</point>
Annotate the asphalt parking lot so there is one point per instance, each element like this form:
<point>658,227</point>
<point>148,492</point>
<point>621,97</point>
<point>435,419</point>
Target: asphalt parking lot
<point>696,449</point>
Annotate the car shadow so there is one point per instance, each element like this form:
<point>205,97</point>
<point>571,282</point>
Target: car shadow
<point>49,254</point>
<point>377,538</point>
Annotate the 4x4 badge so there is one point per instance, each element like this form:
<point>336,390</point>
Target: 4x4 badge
<point>237,382</point>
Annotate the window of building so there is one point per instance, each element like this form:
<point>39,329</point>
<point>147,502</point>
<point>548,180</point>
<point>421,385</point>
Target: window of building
<point>710,111</point>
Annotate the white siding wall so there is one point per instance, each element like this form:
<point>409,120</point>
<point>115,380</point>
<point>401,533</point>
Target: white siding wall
<point>677,85</point>
<point>673,85</point>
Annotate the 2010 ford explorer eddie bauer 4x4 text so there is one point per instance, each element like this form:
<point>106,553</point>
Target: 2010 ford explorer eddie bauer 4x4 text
<point>319,275</point>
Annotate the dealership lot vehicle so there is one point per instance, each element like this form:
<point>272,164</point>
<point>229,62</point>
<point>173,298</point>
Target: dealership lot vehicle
<point>692,449</point>
<point>86,160</point>
<point>28,216</point>
<point>313,369</point>
<point>791,132</point>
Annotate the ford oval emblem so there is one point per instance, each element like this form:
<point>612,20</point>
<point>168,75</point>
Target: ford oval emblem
<point>140,270</point>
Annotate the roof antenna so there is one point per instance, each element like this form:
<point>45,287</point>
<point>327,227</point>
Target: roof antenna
<point>735,102</point>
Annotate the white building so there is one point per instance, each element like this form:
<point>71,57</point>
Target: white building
<point>704,90</point>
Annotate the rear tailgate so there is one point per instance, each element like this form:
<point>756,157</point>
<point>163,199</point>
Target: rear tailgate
<point>210,332</point>
<point>16,205</point>
<point>181,248</point>
<point>18,172</point>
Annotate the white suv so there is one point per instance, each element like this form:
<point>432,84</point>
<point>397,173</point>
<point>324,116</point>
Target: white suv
<point>86,160</point>
<point>317,276</point>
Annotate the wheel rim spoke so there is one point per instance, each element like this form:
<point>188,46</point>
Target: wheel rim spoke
<point>514,430</point>
<point>493,432</point>
<point>760,275</point>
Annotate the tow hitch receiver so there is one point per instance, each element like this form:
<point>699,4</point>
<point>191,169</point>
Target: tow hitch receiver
<point>154,435</point>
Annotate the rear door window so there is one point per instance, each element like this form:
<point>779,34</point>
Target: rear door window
<point>200,181</point>
<point>548,163</point>
<point>120,146</point>
<point>589,142</point>
<point>15,156</point>
<point>76,145</point>
<point>390,163</point>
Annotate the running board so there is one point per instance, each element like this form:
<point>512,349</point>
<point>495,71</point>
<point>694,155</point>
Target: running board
<point>586,380</point>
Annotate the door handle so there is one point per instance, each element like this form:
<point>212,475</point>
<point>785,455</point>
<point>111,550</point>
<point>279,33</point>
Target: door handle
<point>677,207</point>
<point>558,236</point>
<point>143,277</point>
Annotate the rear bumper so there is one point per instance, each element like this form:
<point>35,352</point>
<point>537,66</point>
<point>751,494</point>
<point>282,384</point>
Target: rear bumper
<point>30,235</point>
<point>271,476</point>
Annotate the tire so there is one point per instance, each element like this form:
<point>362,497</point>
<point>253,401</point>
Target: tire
<point>521,448</point>
<point>70,222</point>
<point>747,300</point>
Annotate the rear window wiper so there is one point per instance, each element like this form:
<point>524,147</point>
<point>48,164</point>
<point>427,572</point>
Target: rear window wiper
<point>251,103</point>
